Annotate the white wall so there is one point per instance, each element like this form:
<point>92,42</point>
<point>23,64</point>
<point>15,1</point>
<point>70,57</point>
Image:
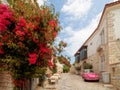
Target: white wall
<point>95,41</point>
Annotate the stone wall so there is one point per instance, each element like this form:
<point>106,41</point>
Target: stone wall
<point>94,60</point>
<point>73,70</point>
<point>5,81</point>
<point>113,43</point>
<point>115,75</point>
<point>114,51</point>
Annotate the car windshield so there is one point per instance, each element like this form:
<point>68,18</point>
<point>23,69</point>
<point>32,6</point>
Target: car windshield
<point>88,70</point>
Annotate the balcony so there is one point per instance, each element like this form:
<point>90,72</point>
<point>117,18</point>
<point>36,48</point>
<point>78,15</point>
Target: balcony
<point>77,58</point>
<point>83,54</point>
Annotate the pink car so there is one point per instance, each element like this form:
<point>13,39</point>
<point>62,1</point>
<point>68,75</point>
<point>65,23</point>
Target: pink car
<point>89,75</point>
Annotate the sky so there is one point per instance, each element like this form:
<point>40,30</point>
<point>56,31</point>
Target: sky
<point>79,19</point>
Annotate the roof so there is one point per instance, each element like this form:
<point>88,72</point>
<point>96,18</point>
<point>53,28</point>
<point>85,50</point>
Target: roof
<point>106,6</point>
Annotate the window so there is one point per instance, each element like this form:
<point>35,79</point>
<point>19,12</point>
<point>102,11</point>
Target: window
<point>102,63</point>
<point>102,36</point>
<point>77,58</point>
<point>83,53</point>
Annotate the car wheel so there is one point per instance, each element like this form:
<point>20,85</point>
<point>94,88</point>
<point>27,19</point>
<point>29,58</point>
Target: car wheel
<point>85,80</point>
<point>97,80</point>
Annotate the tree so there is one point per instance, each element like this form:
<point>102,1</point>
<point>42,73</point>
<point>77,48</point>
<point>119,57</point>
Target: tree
<point>87,65</point>
<point>26,33</point>
<point>66,68</point>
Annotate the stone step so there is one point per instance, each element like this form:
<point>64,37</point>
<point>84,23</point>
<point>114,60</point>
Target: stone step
<point>50,86</point>
<point>108,85</point>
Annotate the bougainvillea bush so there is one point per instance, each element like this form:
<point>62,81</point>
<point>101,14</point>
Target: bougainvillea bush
<point>27,32</point>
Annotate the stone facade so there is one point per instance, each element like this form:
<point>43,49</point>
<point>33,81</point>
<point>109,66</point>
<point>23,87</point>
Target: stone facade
<point>114,47</point>
<point>115,75</point>
<point>94,60</point>
<point>103,46</point>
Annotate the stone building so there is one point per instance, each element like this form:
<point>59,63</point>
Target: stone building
<point>102,48</point>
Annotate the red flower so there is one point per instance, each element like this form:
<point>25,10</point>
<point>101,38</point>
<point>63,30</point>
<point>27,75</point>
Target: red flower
<point>2,27</point>
<point>5,17</point>
<point>32,58</point>
<point>22,22</point>
<point>35,40</point>
<point>54,34</point>
<point>50,64</point>
<point>35,27</point>
<point>52,23</point>
<point>30,25</point>
<point>7,14</point>
<point>19,33</point>
<point>37,19</point>
<point>29,34</point>
<point>38,63</point>
<point>26,31</point>
<point>20,44</point>
<point>1,52</point>
<point>0,44</point>
<point>3,8</point>
<point>44,48</point>
<point>5,37</point>
<point>18,83</point>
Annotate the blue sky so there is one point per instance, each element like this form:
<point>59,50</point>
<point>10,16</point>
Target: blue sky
<point>78,18</point>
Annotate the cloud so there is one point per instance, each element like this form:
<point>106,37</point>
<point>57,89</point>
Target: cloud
<point>41,2</point>
<point>115,0</point>
<point>79,36</point>
<point>68,30</point>
<point>76,9</point>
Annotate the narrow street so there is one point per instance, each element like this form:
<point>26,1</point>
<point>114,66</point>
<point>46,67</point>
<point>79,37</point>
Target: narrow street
<point>75,82</point>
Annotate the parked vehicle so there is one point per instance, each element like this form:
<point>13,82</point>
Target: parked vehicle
<point>89,75</point>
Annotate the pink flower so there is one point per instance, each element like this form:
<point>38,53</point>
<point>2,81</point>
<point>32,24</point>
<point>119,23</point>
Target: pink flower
<point>5,17</point>
<point>32,58</point>
<point>32,55</point>
<point>2,27</point>
<point>5,22</point>
<point>3,8</point>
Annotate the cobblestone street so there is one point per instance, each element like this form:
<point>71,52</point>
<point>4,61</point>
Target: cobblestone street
<point>75,82</point>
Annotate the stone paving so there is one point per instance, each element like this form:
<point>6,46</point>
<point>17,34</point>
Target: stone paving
<point>75,82</point>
